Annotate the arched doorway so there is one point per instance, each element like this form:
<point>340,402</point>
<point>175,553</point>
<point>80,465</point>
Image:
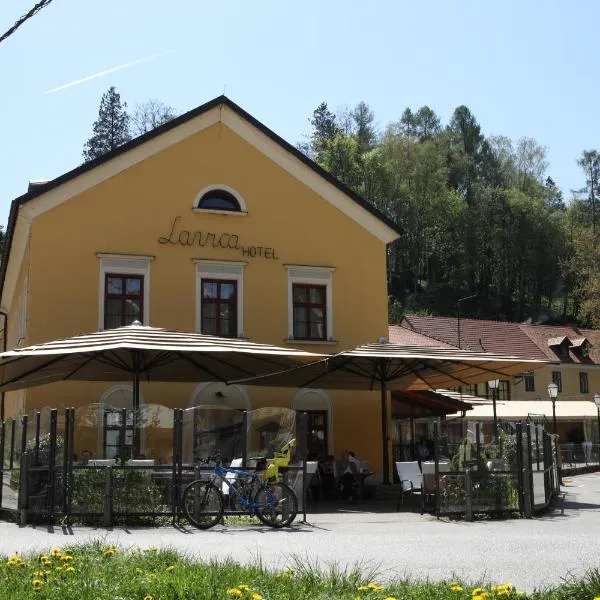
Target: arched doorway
<point>317,406</point>
<point>215,421</point>
<point>114,439</point>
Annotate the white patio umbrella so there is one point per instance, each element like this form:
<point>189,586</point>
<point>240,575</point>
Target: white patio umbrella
<point>386,366</point>
<point>138,352</point>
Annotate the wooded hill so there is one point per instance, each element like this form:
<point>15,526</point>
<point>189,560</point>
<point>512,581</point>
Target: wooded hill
<point>480,215</point>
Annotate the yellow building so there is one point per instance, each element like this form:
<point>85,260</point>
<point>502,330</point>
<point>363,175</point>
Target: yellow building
<point>210,223</point>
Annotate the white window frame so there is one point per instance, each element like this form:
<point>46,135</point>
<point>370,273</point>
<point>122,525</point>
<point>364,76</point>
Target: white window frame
<point>216,187</point>
<point>311,276</point>
<point>221,270</point>
<point>124,264</point>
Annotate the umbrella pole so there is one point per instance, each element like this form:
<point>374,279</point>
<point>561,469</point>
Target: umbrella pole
<point>384,432</point>
<point>136,405</point>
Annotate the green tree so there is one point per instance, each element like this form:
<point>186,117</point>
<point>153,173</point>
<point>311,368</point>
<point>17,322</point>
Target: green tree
<point>590,163</point>
<point>365,133</point>
<point>325,128</point>
<point>111,129</point>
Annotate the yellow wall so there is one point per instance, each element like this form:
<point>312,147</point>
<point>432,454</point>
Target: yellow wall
<point>128,213</point>
<point>570,383</point>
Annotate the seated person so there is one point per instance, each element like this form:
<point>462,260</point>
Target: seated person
<point>349,475</point>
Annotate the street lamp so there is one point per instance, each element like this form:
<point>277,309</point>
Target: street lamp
<point>553,393</point>
<point>597,403</point>
<point>494,385</point>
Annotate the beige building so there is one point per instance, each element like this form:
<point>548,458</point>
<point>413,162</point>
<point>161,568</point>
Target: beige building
<point>576,370</point>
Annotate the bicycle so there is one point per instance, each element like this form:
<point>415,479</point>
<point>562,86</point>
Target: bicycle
<point>274,503</point>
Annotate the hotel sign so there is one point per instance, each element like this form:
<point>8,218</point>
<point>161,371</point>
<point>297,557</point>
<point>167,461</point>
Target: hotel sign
<point>228,241</point>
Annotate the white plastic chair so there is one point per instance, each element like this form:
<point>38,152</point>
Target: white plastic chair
<point>411,480</point>
<point>231,476</point>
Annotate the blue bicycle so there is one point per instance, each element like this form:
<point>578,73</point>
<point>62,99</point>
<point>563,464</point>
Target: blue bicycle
<point>274,503</point>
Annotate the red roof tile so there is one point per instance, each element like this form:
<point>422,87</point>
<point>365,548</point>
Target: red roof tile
<point>406,337</point>
<point>500,337</point>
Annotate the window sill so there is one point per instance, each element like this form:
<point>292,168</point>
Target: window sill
<point>214,211</point>
<point>311,342</point>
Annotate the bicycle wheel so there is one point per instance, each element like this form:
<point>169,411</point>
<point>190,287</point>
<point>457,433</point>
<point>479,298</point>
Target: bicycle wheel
<point>202,504</point>
<point>277,505</point>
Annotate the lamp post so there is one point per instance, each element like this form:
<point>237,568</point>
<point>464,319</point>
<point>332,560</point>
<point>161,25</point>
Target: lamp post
<point>458,313</point>
<point>552,394</point>
<point>493,386</point>
<point>597,403</point>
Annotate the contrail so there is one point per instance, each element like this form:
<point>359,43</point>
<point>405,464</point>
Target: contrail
<point>107,72</point>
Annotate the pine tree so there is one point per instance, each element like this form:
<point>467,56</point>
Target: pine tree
<point>111,129</point>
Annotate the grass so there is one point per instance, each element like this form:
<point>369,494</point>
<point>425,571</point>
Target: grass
<point>100,572</point>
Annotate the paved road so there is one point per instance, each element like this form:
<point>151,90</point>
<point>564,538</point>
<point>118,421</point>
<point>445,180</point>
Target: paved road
<point>528,553</point>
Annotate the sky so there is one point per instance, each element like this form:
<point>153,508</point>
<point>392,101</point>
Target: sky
<point>523,68</point>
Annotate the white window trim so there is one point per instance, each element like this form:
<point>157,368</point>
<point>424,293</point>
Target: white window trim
<point>311,275</point>
<point>209,188</point>
<point>220,269</point>
<point>124,264</point>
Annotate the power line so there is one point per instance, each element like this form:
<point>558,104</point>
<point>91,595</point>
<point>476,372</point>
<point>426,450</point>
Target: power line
<point>41,4</point>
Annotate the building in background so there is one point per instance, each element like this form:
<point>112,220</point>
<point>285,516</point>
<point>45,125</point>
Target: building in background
<point>576,370</point>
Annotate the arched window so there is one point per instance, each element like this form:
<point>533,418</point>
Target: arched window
<point>219,200</point>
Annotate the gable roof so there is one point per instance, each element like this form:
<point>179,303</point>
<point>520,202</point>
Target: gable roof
<point>391,229</point>
<point>500,337</point>
<point>503,337</point>
<point>542,335</point>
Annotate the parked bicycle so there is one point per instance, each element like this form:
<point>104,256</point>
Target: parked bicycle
<point>273,502</point>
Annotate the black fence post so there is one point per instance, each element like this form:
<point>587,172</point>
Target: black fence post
<point>51,466</point>
<point>122,435</point>
<point>180,453</point>
<point>468,495</point>
<point>23,501</point>
<point>2,447</point>
<point>304,417</point>
<point>519,467</point>
<point>38,417</point>
<point>436,457</point>
<point>24,423</point>
<point>13,428</point>
<point>175,494</point>
<point>108,497</point>
<point>71,460</point>
<point>477,439</point>
<point>528,475</point>
<point>244,438</point>
<point>68,460</point>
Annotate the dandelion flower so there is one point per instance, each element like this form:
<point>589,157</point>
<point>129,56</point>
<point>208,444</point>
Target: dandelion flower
<point>70,569</point>
<point>457,588</point>
<point>148,598</point>
<point>66,557</point>
<point>389,598</point>
<point>243,587</point>
<point>363,588</point>
<point>482,596</point>
<point>108,553</point>
<point>55,551</point>
<point>37,584</point>
<point>257,596</point>
<point>39,573</point>
<point>171,568</point>
<point>234,592</point>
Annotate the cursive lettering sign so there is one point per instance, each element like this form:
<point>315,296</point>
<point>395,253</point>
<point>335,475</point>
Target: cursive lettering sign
<point>230,241</point>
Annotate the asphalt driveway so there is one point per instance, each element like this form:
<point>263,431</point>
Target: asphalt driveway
<point>527,553</point>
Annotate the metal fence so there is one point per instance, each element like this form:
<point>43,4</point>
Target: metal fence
<point>517,473</point>
<point>42,481</point>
